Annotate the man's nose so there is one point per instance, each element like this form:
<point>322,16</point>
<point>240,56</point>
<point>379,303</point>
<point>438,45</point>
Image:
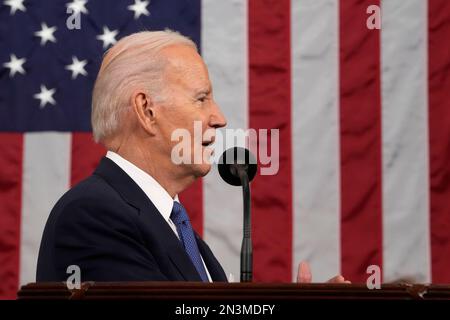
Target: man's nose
<point>217,119</point>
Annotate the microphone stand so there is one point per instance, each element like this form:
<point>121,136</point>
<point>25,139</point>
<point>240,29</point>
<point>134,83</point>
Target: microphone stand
<point>247,246</point>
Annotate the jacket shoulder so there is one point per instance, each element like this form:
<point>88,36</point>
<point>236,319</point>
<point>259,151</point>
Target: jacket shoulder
<point>93,199</point>
<point>92,190</point>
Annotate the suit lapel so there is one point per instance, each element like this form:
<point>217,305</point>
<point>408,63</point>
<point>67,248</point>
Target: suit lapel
<point>134,196</point>
<point>214,267</point>
<point>182,262</point>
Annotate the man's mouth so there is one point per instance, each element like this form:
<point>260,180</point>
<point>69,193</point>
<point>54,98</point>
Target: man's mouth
<point>208,143</point>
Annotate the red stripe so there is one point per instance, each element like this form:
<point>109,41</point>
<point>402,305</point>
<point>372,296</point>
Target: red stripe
<point>270,107</point>
<point>10,212</point>
<point>439,135</point>
<point>192,199</point>
<point>360,121</point>
<point>86,155</point>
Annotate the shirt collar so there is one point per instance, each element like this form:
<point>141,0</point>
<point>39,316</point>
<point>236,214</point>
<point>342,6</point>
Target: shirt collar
<point>154,191</point>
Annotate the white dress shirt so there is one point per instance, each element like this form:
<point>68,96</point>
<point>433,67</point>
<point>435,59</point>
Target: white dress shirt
<point>154,191</point>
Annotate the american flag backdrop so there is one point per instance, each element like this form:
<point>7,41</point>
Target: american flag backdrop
<point>364,119</point>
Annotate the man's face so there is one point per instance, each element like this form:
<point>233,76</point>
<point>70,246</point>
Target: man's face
<point>189,99</point>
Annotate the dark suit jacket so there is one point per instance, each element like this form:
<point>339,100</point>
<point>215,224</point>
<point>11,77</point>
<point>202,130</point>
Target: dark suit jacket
<point>109,228</point>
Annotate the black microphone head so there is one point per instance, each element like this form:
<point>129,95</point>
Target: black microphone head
<point>233,158</point>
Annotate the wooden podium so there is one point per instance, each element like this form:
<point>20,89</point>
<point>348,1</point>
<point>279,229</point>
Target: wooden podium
<point>171,291</point>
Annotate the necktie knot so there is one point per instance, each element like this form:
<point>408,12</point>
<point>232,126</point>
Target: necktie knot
<point>179,214</point>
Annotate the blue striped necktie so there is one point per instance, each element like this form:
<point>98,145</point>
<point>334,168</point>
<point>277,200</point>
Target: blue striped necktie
<point>180,217</point>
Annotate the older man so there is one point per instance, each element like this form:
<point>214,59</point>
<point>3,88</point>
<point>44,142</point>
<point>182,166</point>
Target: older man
<point>125,222</point>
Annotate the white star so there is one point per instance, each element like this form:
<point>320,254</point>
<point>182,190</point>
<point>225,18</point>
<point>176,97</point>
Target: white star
<point>139,7</point>
<point>77,67</point>
<point>46,96</point>
<point>46,34</point>
<point>15,5</point>
<point>15,65</point>
<point>108,37</point>
<point>78,6</point>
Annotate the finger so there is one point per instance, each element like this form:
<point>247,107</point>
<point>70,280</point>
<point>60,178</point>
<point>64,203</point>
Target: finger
<point>304,273</point>
<point>337,279</point>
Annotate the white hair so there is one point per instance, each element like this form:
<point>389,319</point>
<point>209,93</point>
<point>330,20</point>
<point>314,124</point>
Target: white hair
<point>132,62</point>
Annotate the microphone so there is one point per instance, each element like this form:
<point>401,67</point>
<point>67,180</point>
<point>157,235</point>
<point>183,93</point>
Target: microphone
<point>237,166</point>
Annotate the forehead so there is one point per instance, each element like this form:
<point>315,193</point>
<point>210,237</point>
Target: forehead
<point>185,66</point>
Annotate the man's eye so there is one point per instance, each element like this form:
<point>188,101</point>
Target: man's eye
<point>202,98</point>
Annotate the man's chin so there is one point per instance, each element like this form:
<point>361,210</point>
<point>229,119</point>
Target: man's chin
<point>202,170</point>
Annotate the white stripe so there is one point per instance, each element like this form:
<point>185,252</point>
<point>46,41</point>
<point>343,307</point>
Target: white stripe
<point>315,117</point>
<point>224,48</point>
<point>406,253</point>
<point>46,176</point>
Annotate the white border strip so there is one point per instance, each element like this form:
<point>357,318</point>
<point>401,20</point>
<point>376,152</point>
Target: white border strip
<point>315,118</point>
<point>225,50</point>
<point>406,242</point>
<point>46,176</point>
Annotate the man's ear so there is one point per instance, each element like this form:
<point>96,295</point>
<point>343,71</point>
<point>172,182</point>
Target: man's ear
<point>145,111</point>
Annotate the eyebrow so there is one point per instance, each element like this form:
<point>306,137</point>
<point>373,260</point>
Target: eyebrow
<point>203,91</point>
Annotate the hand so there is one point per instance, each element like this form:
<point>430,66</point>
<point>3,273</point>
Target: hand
<point>304,275</point>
